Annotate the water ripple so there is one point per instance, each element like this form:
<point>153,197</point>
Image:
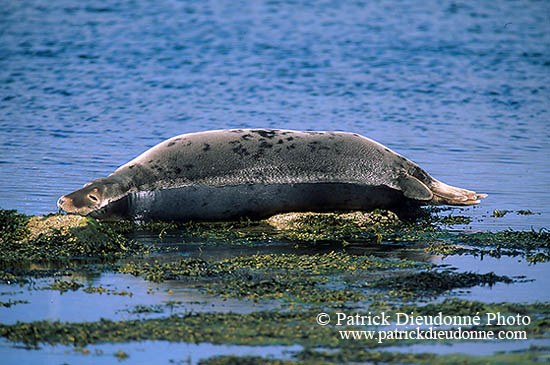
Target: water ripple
<point>461,90</point>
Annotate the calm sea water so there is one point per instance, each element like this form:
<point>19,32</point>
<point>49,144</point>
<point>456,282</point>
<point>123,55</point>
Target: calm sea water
<point>461,88</point>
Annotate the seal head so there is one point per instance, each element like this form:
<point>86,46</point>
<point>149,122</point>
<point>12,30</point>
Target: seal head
<point>96,198</point>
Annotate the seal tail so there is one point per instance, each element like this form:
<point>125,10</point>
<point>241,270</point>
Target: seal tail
<point>444,194</point>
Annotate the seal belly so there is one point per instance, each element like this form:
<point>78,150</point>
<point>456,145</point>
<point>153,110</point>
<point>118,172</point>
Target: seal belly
<point>256,200</point>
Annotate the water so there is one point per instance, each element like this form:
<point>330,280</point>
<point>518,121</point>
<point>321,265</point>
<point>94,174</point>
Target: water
<point>139,353</point>
<point>461,89</point>
<point>75,306</point>
<point>532,288</point>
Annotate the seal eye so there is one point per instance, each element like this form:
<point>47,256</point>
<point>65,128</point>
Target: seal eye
<point>93,198</point>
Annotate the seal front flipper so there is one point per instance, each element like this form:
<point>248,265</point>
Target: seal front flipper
<point>413,188</point>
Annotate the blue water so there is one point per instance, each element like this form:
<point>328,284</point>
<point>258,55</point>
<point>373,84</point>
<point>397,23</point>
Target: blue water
<point>460,88</point>
<point>143,352</point>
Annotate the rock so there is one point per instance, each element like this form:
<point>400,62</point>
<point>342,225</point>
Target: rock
<point>71,227</point>
<point>305,220</point>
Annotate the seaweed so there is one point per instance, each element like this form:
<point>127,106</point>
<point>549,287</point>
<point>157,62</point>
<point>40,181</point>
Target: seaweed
<point>60,238</point>
<point>435,282</point>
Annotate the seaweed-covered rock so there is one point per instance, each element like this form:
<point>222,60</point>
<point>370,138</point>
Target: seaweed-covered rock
<point>13,226</point>
<point>307,220</point>
<point>59,237</point>
<point>334,227</point>
<point>73,227</point>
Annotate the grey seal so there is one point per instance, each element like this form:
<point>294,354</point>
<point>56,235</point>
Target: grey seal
<point>225,174</point>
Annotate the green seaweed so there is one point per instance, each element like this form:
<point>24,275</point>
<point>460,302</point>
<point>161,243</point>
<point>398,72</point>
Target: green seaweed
<point>233,232</point>
<point>121,355</point>
<point>244,360</point>
<point>257,328</point>
<point>347,355</point>
<point>290,289</point>
<point>13,226</point>
<point>357,227</point>
<point>457,219</point>
<point>182,268</point>
<point>146,309</point>
<point>11,303</point>
<point>61,239</point>
<point>437,282</point>
<point>101,290</point>
<point>500,213</point>
<point>63,286</point>
<point>266,276</point>
<point>533,356</point>
<point>321,263</point>
<point>523,240</point>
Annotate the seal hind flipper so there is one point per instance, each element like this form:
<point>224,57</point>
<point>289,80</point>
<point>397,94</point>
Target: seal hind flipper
<point>413,188</point>
<point>446,194</point>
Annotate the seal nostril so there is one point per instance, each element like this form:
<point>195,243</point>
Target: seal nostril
<point>60,202</point>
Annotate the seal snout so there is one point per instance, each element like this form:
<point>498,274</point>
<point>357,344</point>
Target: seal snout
<point>65,204</point>
<point>60,202</point>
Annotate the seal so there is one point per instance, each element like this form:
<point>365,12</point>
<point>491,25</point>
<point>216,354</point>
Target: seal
<point>225,174</point>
